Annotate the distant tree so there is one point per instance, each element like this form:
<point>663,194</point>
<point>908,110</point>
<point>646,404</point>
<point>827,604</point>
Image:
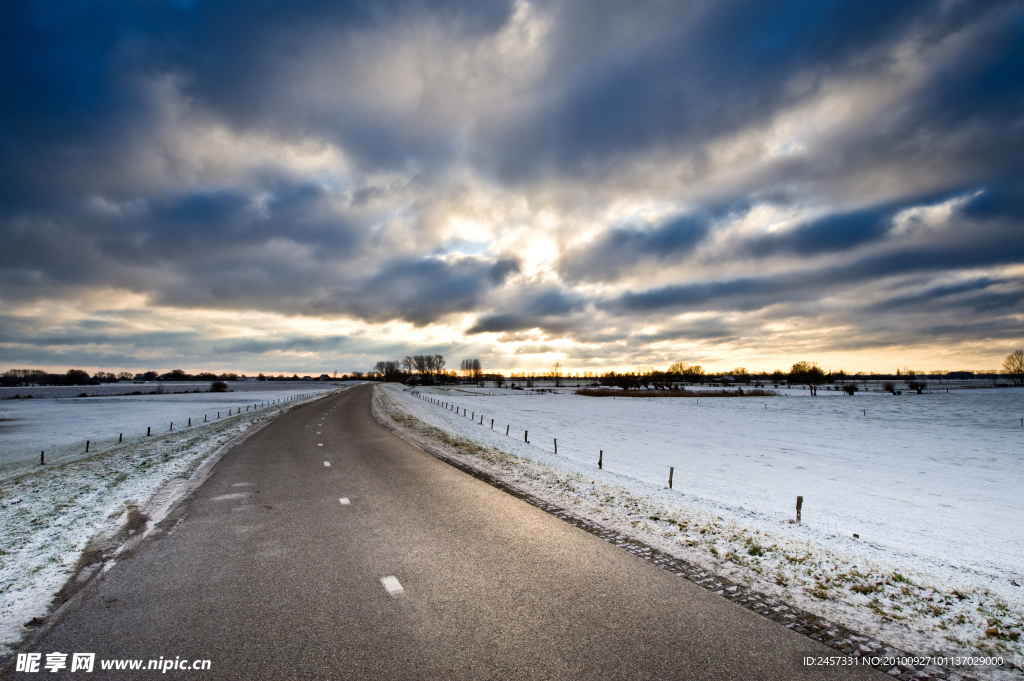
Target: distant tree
<point>429,367</point>
<point>919,386</point>
<point>889,386</point>
<point>499,380</point>
<point>471,370</point>
<point>850,388</point>
<point>556,374</point>
<point>436,364</point>
<point>77,377</point>
<point>1013,366</point>
<point>218,387</point>
<point>624,381</point>
<point>389,370</point>
<point>807,373</point>
<point>677,368</point>
<point>125,376</point>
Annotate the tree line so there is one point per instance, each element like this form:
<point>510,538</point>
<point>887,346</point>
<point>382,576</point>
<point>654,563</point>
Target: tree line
<point>24,377</point>
<point>426,369</point>
<point>20,377</point>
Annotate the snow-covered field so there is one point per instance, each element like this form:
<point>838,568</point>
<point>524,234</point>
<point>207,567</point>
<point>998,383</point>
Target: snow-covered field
<point>146,387</point>
<point>930,483</point>
<point>49,517</point>
<point>61,426</point>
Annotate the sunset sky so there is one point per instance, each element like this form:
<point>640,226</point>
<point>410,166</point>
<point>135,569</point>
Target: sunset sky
<point>313,186</point>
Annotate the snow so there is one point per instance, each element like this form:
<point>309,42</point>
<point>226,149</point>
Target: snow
<point>930,483</point>
<point>49,517</point>
<point>61,426</point>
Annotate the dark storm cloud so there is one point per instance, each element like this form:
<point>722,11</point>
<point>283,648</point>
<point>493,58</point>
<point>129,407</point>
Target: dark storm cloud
<point>548,308</point>
<point>708,69</point>
<point>422,290</point>
<point>974,294</point>
<point>74,74</point>
<point>996,247</point>
<point>837,232</point>
<point>626,247</point>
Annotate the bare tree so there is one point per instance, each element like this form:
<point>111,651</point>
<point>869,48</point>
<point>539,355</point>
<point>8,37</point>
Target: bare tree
<point>471,369</point>
<point>1013,365</point>
<point>556,373</point>
<point>677,368</point>
<point>919,386</point>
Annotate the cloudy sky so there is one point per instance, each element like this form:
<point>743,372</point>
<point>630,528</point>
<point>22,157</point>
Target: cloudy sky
<point>314,185</point>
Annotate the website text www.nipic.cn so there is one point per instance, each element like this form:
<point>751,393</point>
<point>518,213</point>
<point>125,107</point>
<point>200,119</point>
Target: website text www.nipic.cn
<point>86,662</point>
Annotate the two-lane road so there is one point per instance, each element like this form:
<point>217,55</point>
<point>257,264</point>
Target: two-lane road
<point>269,575</point>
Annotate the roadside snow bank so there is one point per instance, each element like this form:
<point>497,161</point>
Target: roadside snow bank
<point>897,591</point>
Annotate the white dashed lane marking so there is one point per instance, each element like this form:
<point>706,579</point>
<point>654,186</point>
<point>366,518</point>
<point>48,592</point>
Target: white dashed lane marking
<point>225,497</point>
<point>319,444</point>
<point>327,464</point>
<point>344,501</point>
<point>393,586</point>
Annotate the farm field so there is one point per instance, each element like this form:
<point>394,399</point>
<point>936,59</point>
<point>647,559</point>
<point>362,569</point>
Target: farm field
<point>930,483</point>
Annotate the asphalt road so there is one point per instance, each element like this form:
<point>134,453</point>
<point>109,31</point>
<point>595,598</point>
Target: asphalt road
<point>264,572</point>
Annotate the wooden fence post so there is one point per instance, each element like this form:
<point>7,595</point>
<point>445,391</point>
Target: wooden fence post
<point>671,470</point>
<point>799,506</point>
<point>600,460</point>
